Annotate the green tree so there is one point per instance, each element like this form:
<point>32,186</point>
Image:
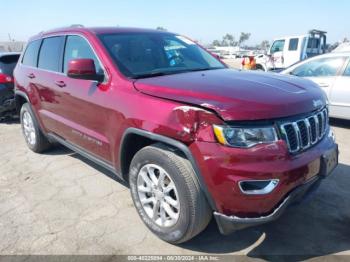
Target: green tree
<point>243,38</point>
<point>216,43</point>
<point>264,45</point>
<point>228,40</point>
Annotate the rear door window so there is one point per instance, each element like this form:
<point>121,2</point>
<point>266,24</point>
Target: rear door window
<point>8,63</point>
<point>30,57</point>
<point>51,53</point>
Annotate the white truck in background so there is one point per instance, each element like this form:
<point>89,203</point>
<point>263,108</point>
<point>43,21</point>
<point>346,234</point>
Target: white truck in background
<point>286,51</point>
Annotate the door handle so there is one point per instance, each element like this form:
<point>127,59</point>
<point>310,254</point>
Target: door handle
<point>31,76</point>
<point>60,83</point>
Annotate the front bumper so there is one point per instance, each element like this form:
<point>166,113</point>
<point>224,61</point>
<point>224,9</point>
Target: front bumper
<point>223,168</point>
<point>229,224</point>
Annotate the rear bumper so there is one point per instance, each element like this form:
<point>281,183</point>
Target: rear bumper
<point>229,224</point>
<point>7,98</point>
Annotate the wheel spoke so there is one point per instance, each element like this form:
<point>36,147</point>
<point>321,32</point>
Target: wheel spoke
<point>169,211</point>
<point>146,179</point>
<point>161,179</point>
<point>172,202</point>
<point>152,175</point>
<point>144,189</point>
<point>162,214</point>
<point>148,200</point>
<point>169,187</point>
<point>155,210</point>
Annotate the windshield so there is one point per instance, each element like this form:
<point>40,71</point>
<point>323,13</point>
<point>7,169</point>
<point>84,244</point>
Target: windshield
<point>140,55</point>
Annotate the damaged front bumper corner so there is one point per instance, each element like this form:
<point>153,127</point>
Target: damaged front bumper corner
<point>229,224</point>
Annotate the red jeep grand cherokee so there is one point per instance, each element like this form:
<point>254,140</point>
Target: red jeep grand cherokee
<point>192,137</point>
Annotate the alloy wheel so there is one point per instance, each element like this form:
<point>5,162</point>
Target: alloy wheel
<point>158,195</point>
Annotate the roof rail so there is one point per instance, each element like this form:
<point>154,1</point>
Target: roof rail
<point>76,25</point>
<point>57,28</point>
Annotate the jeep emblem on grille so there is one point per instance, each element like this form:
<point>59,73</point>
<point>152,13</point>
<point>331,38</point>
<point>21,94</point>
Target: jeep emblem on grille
<point>317,103</point>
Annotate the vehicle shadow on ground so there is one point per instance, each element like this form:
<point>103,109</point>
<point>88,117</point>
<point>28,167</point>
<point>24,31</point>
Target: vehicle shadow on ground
<point>320,225</point>
<point>10,121</point>
<point>62,150</point>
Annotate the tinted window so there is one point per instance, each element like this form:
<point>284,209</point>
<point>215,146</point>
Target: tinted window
<point>313,43</point>
<point>322,67</point>
<point>147,54</point>
<point>277,46</point>
<point>293,44</point>
<point>77,47</point>
<point>50,53</point>
<point>8,63</point>
<point>347,70</point>
<point>30,57</point>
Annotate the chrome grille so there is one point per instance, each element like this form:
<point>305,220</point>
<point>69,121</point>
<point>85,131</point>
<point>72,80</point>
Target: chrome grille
<point>303,133</point>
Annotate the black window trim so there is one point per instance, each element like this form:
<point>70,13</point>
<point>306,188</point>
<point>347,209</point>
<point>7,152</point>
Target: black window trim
<point>63,47</point>
<point>37,56</point>
<point>60,58</point>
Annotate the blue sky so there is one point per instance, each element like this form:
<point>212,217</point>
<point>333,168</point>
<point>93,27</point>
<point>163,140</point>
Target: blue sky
<point>201,20</point>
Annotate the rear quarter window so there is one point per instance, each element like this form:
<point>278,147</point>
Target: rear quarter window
<point>30,57</point>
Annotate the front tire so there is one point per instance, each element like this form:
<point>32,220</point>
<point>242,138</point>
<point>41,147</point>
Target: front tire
<point>167,195</point>
<point>33,136</point>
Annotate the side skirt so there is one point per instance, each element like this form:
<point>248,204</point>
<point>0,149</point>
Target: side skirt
<point>84,153</point>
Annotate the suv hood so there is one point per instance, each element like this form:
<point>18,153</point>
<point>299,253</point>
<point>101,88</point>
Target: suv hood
<point>238,95</point>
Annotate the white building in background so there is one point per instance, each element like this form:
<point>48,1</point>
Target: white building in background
<point>11,46</point>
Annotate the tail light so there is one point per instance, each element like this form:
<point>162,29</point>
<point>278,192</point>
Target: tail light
<point>5,79</point>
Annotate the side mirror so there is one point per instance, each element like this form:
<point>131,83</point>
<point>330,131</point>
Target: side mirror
<point>83,69</point>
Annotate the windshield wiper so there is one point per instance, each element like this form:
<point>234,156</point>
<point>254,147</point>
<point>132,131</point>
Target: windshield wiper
<point>163,73</point>
<point>150,75</point>
<point>203,69</point>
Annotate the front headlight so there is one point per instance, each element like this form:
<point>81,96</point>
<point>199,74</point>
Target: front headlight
<point>244,136</point>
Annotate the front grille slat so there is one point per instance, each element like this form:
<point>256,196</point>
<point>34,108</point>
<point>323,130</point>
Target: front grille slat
<point>303,133</point>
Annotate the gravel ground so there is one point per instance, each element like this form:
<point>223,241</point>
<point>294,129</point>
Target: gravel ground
<point>60,203</point>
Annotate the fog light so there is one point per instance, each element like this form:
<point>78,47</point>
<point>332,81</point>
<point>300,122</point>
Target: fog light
<point>257,187</point>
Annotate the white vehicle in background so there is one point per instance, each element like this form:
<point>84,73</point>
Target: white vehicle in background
<point>343,47</point>
<point>286,51</point>
<point>332,73</point>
